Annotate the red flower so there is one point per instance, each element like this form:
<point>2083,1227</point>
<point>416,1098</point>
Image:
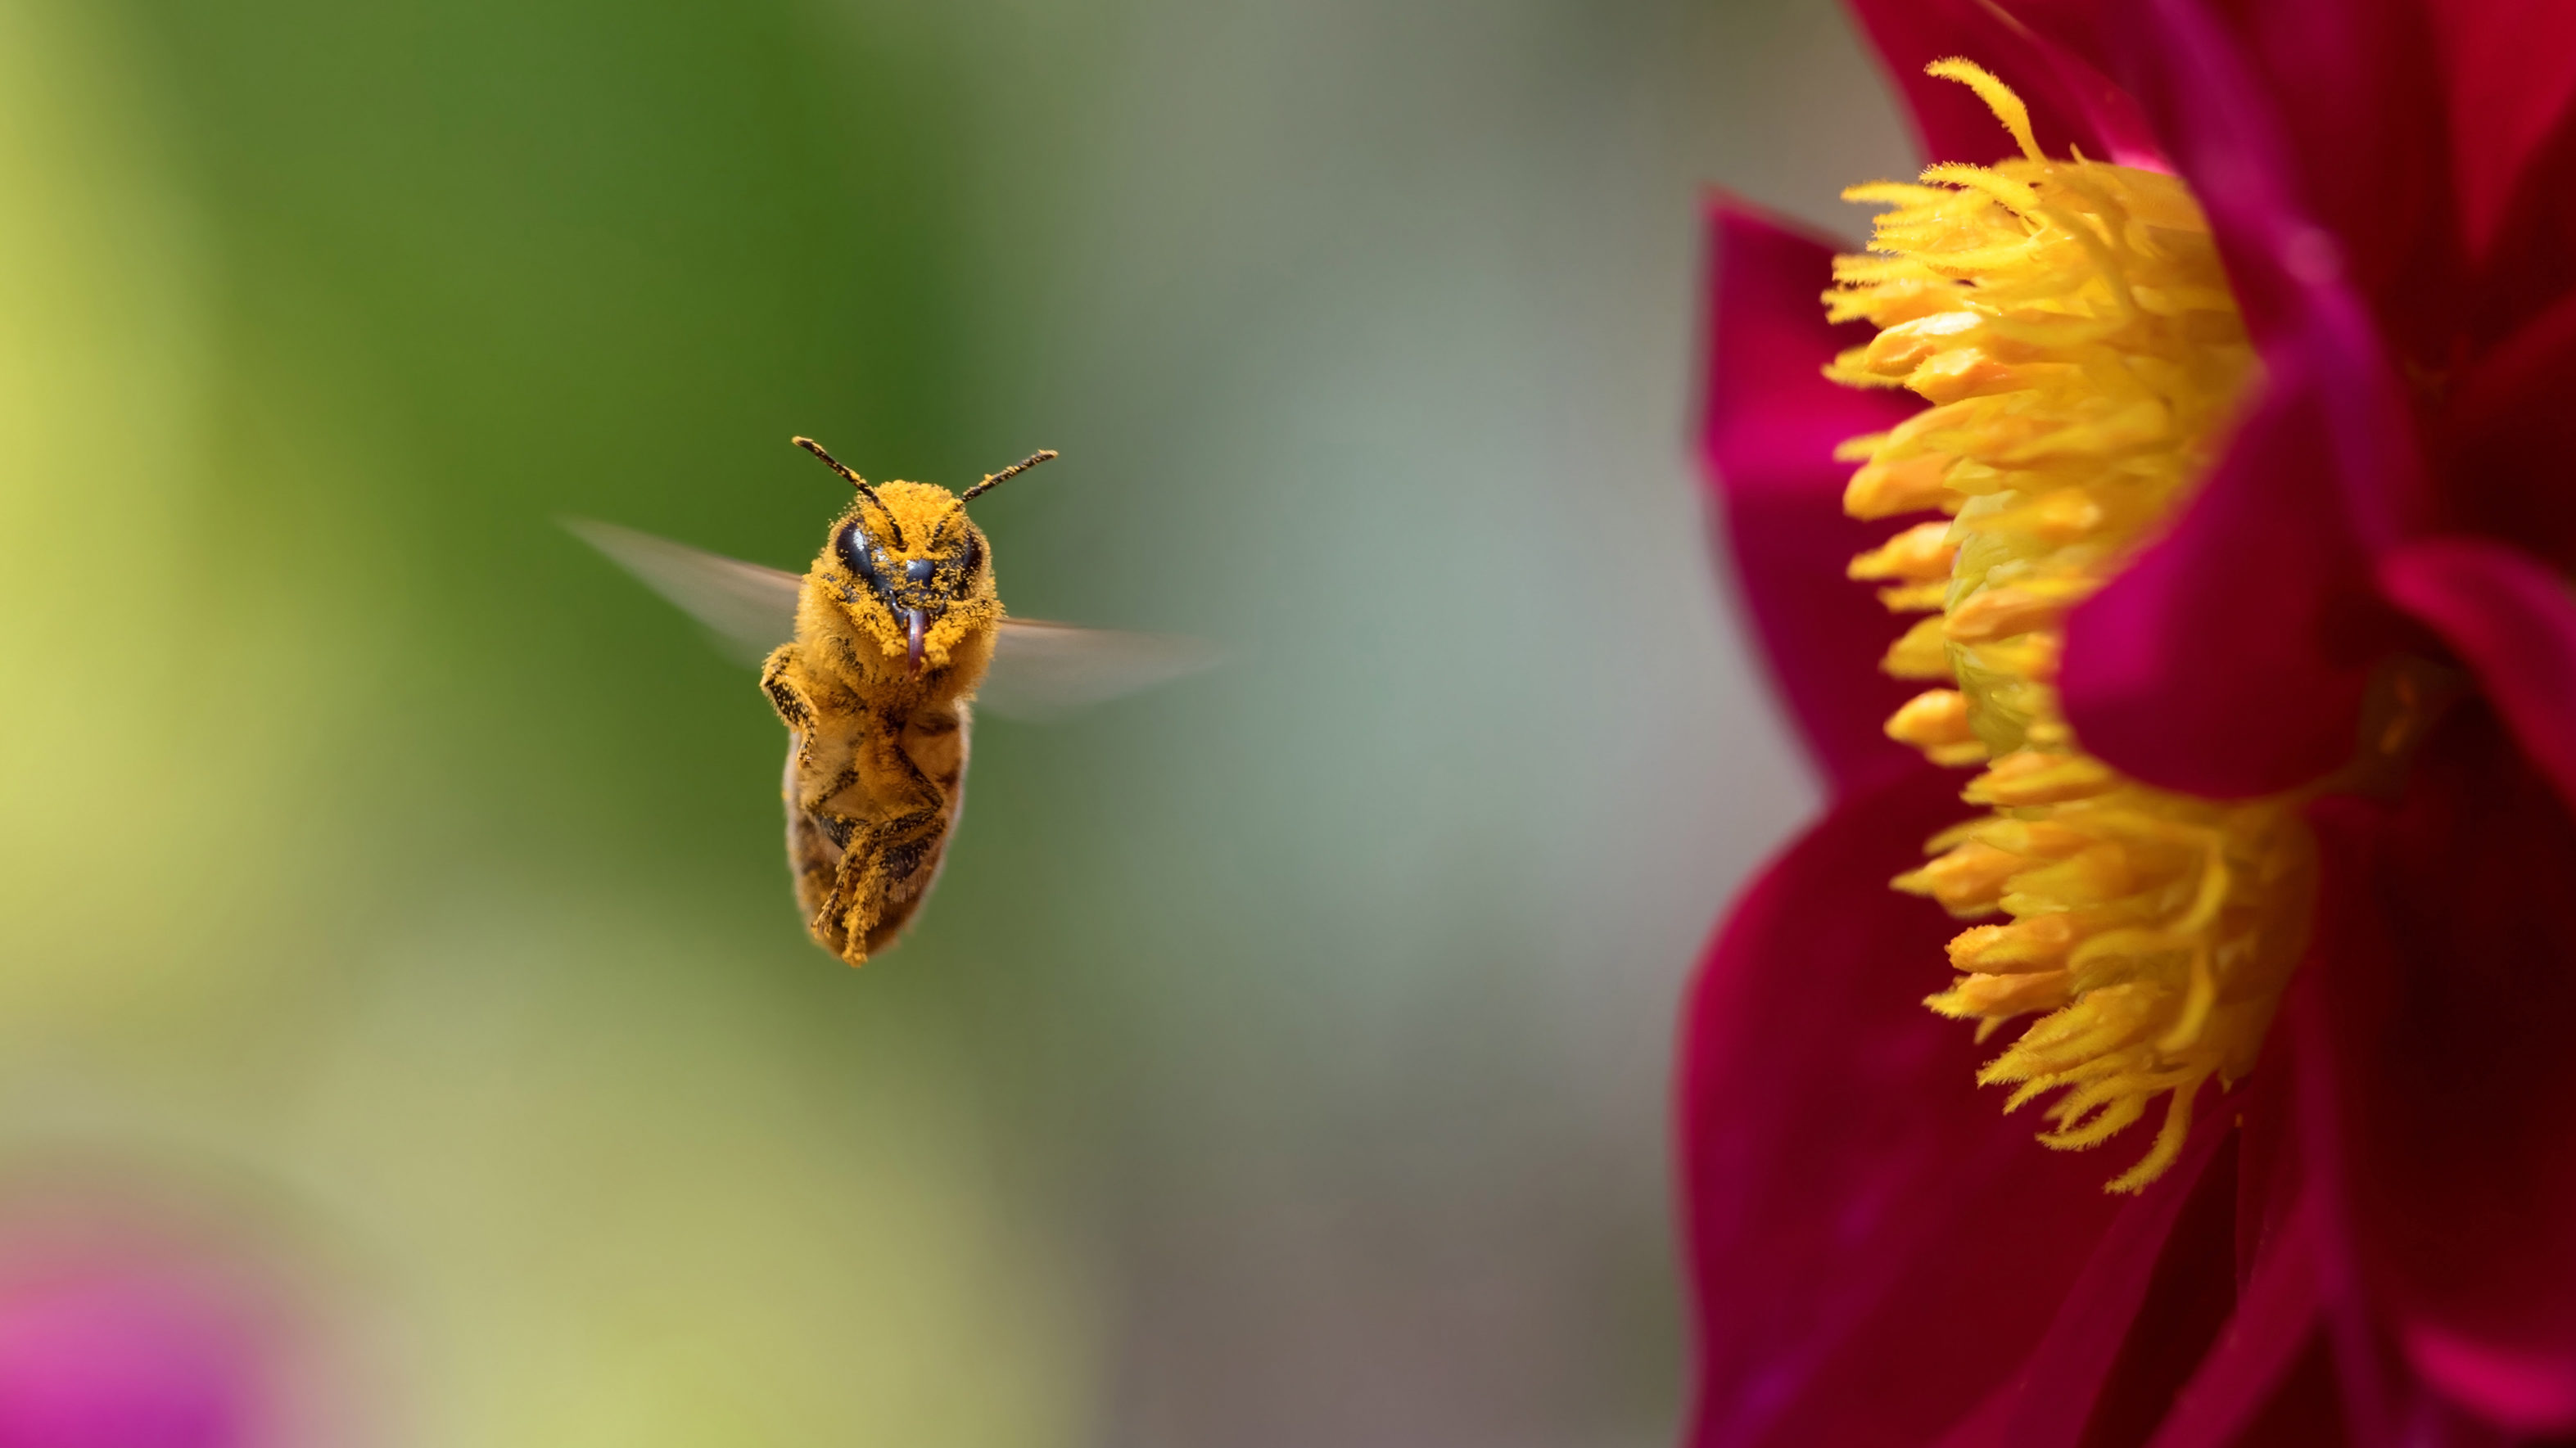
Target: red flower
<point>2373,1236</point>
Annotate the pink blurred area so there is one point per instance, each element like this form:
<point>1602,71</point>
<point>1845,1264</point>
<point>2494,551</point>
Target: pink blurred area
<point>131,1354</point>
<point>154,1314</point>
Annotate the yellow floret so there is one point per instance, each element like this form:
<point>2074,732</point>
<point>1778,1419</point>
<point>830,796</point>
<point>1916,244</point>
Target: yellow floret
<point>2072,327</point>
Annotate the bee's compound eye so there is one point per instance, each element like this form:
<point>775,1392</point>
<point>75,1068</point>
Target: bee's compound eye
<point>854,548</point>
<point>919,570</point>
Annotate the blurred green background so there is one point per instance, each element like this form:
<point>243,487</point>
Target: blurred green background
<point>1282,1061</point>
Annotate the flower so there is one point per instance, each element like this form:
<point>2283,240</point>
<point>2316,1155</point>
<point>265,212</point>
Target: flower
<point>2280,642</point>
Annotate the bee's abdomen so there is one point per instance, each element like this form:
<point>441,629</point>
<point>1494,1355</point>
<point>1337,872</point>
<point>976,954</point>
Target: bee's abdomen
<point>871,796</point>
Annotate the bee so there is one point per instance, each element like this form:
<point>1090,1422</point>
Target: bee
<point>874,660</point>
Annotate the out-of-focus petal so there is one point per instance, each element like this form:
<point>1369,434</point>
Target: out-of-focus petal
<point>2274,1322</point>
<point>2145,1308</point>
<point>2301,116</point>
<point>2226,660</point>
<point>2514,622</point>
<point>1875,1246</point>
<point>2295,264</point>
<point>2507,435</point>
<point>2509,68</point>
<point>2229,658</point>
<point>2447,1001</point>
<point>1767,434</point>
<point>2528,262</point>
<point>2357,89</point>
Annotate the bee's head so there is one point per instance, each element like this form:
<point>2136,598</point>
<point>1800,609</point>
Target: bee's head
<point>910,569</point>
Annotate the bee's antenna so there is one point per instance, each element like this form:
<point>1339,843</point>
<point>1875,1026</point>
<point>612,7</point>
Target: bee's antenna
<point>860,483</point>
<point>1047,454</point>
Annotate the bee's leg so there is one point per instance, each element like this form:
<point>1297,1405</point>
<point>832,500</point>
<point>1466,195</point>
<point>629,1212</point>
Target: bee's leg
<point>829,855</point>
<point>857,900</point>
<point>831,926</point>
<point>818,833</point>
<point>816,800</point>
<point>779,681</point>
<point>876,878</point>
<point>814,854</point>
<point>907,818</point>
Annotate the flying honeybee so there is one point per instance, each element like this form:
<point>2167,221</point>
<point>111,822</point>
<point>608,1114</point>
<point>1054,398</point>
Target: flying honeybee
<point>874,659</point>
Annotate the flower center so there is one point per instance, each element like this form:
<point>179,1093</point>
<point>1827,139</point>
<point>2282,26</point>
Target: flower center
<point>2073,329</point>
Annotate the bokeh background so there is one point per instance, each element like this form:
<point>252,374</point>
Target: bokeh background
<point>391,907</point>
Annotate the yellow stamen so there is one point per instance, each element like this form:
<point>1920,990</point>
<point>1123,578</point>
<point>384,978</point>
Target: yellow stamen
<point>2073,329</point>
<point>1920,654</point>
<point>1908,485</point>
<point>1998,97</point>
<point>1920,554</point>
<point>1936,722</point>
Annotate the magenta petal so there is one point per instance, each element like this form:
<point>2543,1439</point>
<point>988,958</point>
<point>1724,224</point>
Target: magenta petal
<point>1949,120</point>
<point>2215,116</point>
<point>2448,1003</point>
<point>2274,1321</point>
<point>2144,1307</point>
<point>2526,257</point>
<point>2229,658</point>
<point>1874,1244</point>
<point>2356,86</point>
<point>2042,48</point>
<point>2503,434</point>
<point>2510,68</point>
<point>2312,132</point>
<point>2318,288</point>
<point>2226,660</point>
<point>2514,622</point>
<point>2247,137</point>
<point>1767,434</point>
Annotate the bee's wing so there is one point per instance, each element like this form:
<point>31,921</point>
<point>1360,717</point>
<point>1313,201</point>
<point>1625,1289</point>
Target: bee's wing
<point>1043,669</point>
<point>1040,669</point>
<point>750,609</point>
